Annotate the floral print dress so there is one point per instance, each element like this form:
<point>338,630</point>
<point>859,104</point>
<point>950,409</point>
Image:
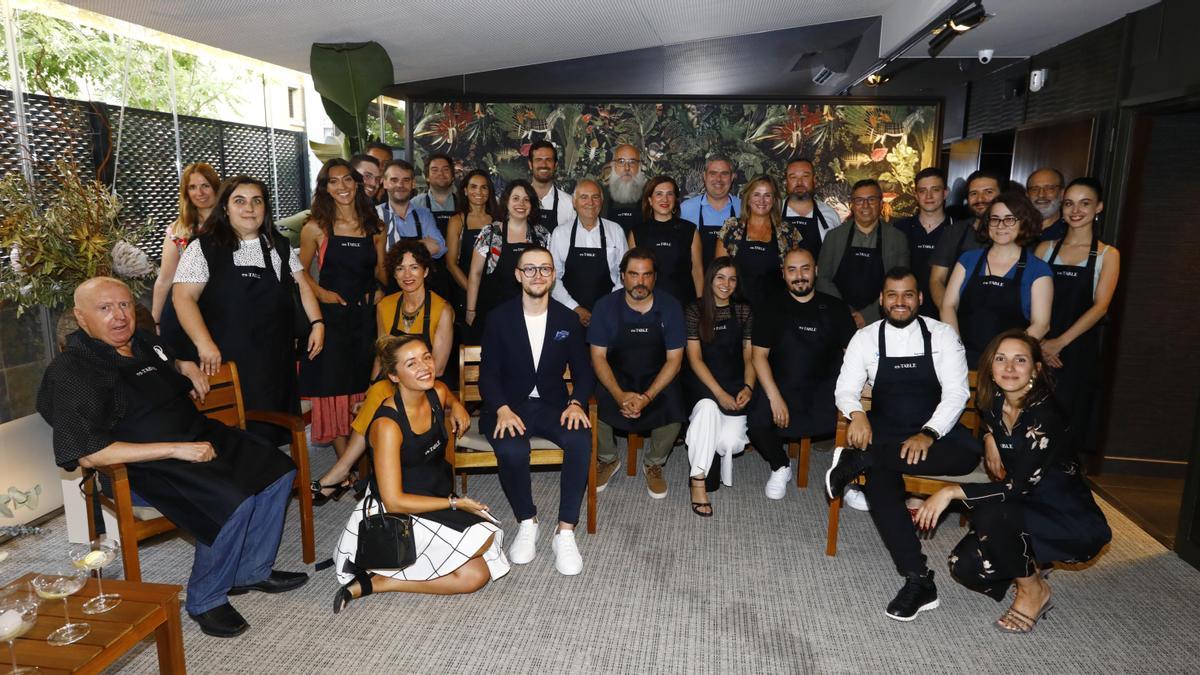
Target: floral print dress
<point>1041,512</point>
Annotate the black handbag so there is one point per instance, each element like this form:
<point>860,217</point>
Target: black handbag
<point>385,540</point>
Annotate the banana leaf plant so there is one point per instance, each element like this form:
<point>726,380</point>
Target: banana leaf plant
<point>348,76</point>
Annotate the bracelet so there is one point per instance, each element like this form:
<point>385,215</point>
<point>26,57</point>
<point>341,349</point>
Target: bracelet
<point>316,321</point>
<point>574,402</point>
<point>746,386</point>
<point>453,503</point>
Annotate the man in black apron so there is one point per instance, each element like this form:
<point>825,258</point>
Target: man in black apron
<point>114,396</point>
<point>587,253</point>
<point>555,204</point>
<point>811,218</point>
<point>923,230</point>
<point>637,339</point>
<point>1045,189</point>
<point>963,235</point>
<point>710,209</point>
<point>918,377</point>
<point>855,254</point>
<point>798,341</point>
<point>372,173</point>
<point>439,198</point>
<point>383,153</point>
<point>623,198</point>
<point>405,220</point>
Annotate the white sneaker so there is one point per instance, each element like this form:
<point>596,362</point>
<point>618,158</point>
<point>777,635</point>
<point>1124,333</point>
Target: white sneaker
<point>524,546</point>
<point>855,499</point>
<point>567,560</point>
<point>778,482</point>
<point>496,561</point>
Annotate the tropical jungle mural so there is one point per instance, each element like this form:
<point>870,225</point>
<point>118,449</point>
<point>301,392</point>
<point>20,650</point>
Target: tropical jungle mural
<point>847,142</point>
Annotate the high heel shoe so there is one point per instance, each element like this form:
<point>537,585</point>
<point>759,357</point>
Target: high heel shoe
<point>698,507</point>
<point>319,498</point>
<point>343,596</point>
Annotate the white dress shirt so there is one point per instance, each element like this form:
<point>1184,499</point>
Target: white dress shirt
<point>831,217</point>
<point>560,245</point>
<point>566,205</point>
<point>861,362</point>
<point>535,326</point>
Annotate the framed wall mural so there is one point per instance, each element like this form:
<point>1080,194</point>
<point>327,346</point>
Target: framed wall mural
<point>847,139</point>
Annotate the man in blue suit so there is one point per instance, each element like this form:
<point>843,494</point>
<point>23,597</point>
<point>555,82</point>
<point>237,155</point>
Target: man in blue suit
<point>524,395</point>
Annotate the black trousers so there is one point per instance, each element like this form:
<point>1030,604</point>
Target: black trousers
<point>995,551</point>
<point>954,454</point>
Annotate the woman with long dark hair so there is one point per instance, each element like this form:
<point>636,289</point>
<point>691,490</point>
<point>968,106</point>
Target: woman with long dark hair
<point>346,238</point>
<point>1085,280</point>
<point>675,241</point>
<point>1038,511</point>
<point>198,188</point>
<point>758,239</point>
<point>719,378</point>
<point>233,296</point>
<point>494,259</point>
<point>476,202</point>
<point>1002,285</point>
<point>458,546</point>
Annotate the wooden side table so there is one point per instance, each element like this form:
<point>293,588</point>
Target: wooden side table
<point>144,608</point>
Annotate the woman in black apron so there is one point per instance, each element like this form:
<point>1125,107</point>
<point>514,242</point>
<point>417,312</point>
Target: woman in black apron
<point>494,259</point>
<point>1001,286</point>
<point>1085,279</point>
<point>675,241</point>
<point>458,547</point>
<point>476,201</point>
<point>198,188</point>
<point>1038,511</point>
<point>233,296</point>
<point>758,240</point>
<point>346,238</point>
<point>719,379</point>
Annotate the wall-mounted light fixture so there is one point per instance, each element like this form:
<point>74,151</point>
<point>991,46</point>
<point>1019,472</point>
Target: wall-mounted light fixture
<point>963,21</point>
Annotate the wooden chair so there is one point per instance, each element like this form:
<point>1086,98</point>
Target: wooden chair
<point>920,485</point>
<point>474,450</point>
<point>224,404</point>
<point>800,449</point>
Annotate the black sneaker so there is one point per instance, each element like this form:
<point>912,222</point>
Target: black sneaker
<point>918,595</point>
<point>848,464</point>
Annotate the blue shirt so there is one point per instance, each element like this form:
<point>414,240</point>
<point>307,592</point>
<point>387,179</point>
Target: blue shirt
<point>666,311</point>
<point>407,227</point>
<point>1035,268</point>
<point>691,209</point>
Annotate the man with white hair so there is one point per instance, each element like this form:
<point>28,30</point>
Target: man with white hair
<point>587,251</point>
<point>623,203</point>
<point>1045,190</point>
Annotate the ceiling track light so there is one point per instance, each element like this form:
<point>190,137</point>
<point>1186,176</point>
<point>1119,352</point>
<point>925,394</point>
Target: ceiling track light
<point>961,22</point>
<point>875,79</point>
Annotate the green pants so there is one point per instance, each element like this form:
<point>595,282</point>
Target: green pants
<point>654,451</point>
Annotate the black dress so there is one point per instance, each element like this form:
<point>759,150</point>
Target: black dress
<point>1040,513</point>
<point>344,365</point>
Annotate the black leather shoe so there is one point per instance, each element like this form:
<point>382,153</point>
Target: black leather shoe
<point>222,621</point>
<point>918,595</point>
<point>848,464</point>
<point>278,582</point>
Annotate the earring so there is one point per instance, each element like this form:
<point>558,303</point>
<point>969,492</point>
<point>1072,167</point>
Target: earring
<point>1029,386</point>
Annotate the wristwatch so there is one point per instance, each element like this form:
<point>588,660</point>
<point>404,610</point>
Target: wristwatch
<point>932,434</point>
<point>572,402</point>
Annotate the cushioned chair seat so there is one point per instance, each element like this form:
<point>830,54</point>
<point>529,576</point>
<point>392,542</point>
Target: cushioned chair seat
<point>146,513</point>
<point>979,475</point>
<point>475,441</point>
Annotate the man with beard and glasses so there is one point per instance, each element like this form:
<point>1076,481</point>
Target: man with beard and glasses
<point>586,253</point>
<point>710,209</point>
<point>521,382</point>
<point>963,235</point>
<point>812,218</point>
<point>637,339</point>
<point>797,344</point>
<point>1045,189</point>
<point>554,204</point>
<point>623,201</point>
<point>917,370</point>
<point>924,228</point>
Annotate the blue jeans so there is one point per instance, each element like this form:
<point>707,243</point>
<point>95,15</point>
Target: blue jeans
<point>244,550</point>
<point>512,454</point>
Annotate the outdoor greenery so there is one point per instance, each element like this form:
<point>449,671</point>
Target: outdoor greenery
<point>71,61</point>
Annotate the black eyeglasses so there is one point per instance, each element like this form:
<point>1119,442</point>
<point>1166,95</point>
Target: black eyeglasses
<point>1003,223</point>
<point>530,270</point>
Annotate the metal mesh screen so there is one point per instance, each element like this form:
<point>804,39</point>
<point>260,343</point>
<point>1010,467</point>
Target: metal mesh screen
<point>146,174</point>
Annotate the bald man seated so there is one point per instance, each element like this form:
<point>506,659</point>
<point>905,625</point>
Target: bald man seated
<point>117,396</point>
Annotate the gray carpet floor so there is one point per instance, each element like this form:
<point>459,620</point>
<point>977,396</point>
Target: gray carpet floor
<point>663,591</point>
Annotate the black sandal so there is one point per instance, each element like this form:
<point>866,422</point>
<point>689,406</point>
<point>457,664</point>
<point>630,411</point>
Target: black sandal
<point>319,498</point>
<point>343,596</point>
<point>697,506</point>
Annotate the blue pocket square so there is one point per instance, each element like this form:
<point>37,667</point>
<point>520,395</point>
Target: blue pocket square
<point>561,335</point>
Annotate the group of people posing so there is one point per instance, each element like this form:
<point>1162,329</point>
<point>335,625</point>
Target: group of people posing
<point>750,320</point>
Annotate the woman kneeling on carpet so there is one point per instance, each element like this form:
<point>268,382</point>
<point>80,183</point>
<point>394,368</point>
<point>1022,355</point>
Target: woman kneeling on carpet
<point>457,549</point>
<point>1038,511</point>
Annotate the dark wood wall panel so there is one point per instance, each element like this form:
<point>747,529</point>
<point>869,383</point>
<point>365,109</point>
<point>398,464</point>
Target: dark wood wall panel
<point>1155,384</point>
<point>988,109</point>
<point>1084,76</point>
<point>1065,146</point>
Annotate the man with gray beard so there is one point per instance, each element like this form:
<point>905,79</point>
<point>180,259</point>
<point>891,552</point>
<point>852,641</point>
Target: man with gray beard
<point>1045,190</point>
<point>624,187</point>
